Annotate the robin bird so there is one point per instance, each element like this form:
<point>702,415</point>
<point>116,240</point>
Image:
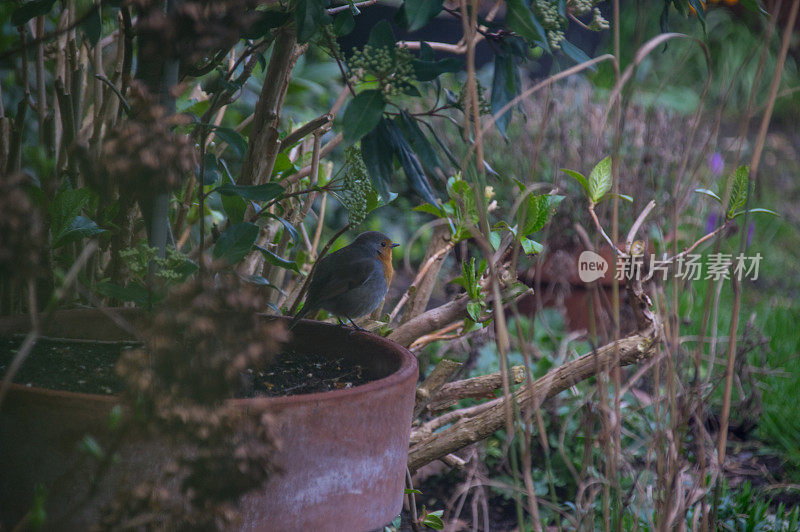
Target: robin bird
<point>352,281</point>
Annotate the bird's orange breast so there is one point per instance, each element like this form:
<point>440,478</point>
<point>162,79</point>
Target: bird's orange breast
<point>388,269</point>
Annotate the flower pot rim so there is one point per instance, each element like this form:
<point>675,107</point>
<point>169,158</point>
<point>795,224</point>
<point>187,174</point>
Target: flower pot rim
<point>407,368</point>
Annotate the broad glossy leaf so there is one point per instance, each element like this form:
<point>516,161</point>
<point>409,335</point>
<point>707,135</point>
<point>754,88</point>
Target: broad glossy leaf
<point>411,165</point>
<point>382,36</point>
<point>309,16</point>
<point>377,152</point>
<point>420,12</point>
<point>236,242</point>
<point>266,21</point>
<point>275,260</point>
<point>344,23</point>
<point>419,142</point>
<point>575,53</point>
<point>430,70</point>
<point>362,115</point>
<point>505,87</point>
<point>580,178</point>
<point>530,246</point>
<point>265,192</point>
<point>522,21</point>
<point>28,10</point>
<point>234,139</point>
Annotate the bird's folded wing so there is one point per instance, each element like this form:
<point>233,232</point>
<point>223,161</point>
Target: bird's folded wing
<point>336,284</point>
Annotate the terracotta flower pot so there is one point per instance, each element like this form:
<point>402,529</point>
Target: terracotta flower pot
<point>343,453</point>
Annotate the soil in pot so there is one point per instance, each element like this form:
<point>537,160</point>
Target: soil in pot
<point>88,367</point>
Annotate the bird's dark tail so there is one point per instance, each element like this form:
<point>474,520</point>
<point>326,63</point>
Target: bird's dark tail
<point>297,317</point>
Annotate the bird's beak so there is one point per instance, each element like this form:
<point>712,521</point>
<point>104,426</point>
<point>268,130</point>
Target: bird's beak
<point>394,245</point>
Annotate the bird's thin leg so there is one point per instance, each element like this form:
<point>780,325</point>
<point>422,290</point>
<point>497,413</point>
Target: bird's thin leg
<point>354,325</point>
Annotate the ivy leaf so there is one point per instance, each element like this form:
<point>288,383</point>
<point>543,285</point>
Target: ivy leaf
<point>310,15</point>
<point>420,12</point>
<point>600,180</point>
<point>521,20</point>
<point>236,242</point>
<point>362,115</point>
<point>739,189</point>
<point>275,260</point>
<point>265,192</point>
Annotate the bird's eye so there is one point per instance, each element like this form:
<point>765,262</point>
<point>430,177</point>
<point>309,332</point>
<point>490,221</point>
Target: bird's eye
<point>383,244</point>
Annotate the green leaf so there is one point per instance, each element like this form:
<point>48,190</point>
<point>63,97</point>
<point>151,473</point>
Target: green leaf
<point>600,180</point>
<point>267,20</point>
<point>234,139</point>
<point>430,209</point>
<point>265,192</point>
<point>580,178</point>
<point>275,260</point>
<point>474,310</point>
<point>132,291</point>
<point>382,36</point>
<point>756,211</point>
<point>67,204</point>
<point>625,197</point>
<point>377,153</point>
<point>27,11</point>
<point>362,115</point>
<point>739,189</point>
<point>411,165</point>
<point>434,520</point>
<point>210,170</point>
<point>344,23</point>
<point>539,211</point>
<point>430,70</point>
<point>408,491</point>
<point>709,193</point>
<point>287,226</point>
<point>419,142</point>
<point>235,242</point>
<point>575,53</point>
<point>81,227</point>
<point>505,87</point>
<point>529,246</point>
<point>92,25</point>
<point>522,21</point>
<point>420,12</point>
<point>309,16</point>
<point>92,447</point>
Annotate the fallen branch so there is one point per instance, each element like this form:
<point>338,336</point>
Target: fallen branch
<point>481,387</point>
<point>438,378</point>
<point>482,421</point>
